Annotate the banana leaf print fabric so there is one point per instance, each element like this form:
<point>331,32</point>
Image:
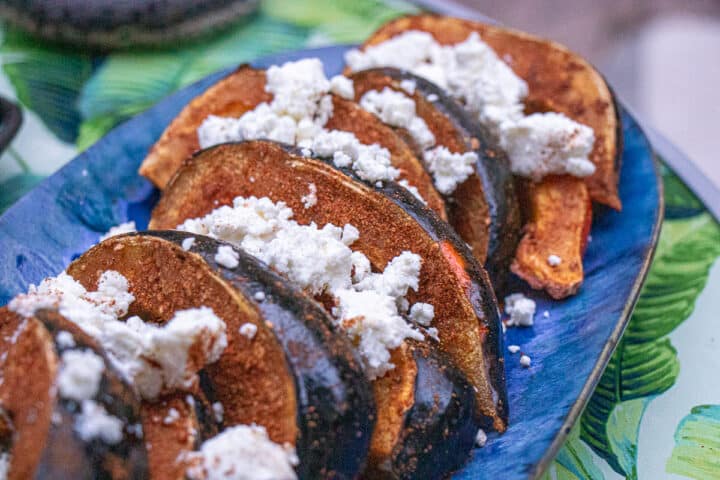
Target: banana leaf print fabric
<point>655,412</point>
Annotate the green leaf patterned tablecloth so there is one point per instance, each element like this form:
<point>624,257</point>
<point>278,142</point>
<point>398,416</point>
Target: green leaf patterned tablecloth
<point>655,413</point>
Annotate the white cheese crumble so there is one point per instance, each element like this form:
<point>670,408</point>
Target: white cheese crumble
<point>319,260</point>
<point>521,310</point>
<point>297,114</point>
<point>127,227</point>
<point>554,260</point>
<point>408,85</point>
<point>94,422</point>
<point>449,169</point>
<point>546,314</point>
<point>422,314</point>
<point>218,411</point>
<point>393,108</point>
<point>64,339</point>
<point>152,358</point>
<point>481,438</point>
<point>259,296</point>
<point>548,143</point>
<point>172,416</point>
<point>310,199</point>
<point>4,465</point>
<point>243,452</point>
<point>525,361</point>
<point>513,348</point>
<point>471,72</point>
<point>342,87</point>
<point>188,243</point>
<point>80,374</point>
<point>227,257</point>
<point>248,330</point>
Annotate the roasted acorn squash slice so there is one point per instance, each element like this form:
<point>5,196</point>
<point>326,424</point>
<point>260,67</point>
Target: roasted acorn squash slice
<point>483,209</point>
<point>242,91</point>
<point>41,425</point>
<point>390,221</point>
<point>294,376</point>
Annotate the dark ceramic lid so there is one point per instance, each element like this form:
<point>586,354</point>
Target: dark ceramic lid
<point>105,24</point>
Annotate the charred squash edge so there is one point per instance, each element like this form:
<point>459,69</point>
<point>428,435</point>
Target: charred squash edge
<point>335,410</point>
<point>62,454</point>
<point>471,278</point>
<point>603,185</point>
<point>226,98</point>
<point>492,169</point>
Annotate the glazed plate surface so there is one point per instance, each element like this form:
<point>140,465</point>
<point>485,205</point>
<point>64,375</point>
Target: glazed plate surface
<point>67,213</point>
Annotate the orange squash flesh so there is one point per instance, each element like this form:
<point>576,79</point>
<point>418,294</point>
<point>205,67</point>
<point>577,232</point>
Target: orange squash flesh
<point>242,91</point>
<point>560,218</point>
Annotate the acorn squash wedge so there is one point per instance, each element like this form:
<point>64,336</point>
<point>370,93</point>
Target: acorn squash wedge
<point>483,209</point>
<point>294,376</point>
<point>242,91</point>
<point>390,221</point>
<point>40,430</point>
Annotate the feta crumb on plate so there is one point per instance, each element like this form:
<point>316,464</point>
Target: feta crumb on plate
<point>554,260</point>
<point>227,257</point>
<point>126,227</point>
<point>521,310</point>
<point>188,243</point>
<point>525,361</point>
<point>480,438</point>
<point>248,330</point>
<point>513,348</point>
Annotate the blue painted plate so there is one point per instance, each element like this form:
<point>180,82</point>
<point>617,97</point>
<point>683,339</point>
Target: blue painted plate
<point>66,213</point>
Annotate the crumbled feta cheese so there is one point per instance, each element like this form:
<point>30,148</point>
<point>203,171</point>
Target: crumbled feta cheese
<point>342,87</point>
<point>422,314</point>
<point>94,422</point>
<point>548,143</point>
<point>554,260</point>
<point>546,314</point>
<point>152,358</point>
<point>80,374</point>
<point>525,361</point>
<point>259,296</point>
<point>310,200</point>
<point>398,110</point>
<point>218,411</point>
<point>513,348</point>
<point>243,452</point>
<point>126,227</point>
<point>248,330</point>
<point>521,310</point>
<point>158,358</point>
<point>227,257</point>
<point>432,98</point>
<point>188,243</point>
<point>449,169</point>
<point>4,465</point>
<point>480,438</point>
<point>297,114</point>
<point>172,416</point>
<point>64,339</point>
<point>408,85</point>
<point>415,192</point>
<point>433,333</point>
<point>472,73</point>
<point>320,261</point>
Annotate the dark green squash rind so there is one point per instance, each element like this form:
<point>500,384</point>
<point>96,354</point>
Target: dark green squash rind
<point>65,455</point>
<point>492,168</point>
<point>335,403</point>
<point>440,429</point>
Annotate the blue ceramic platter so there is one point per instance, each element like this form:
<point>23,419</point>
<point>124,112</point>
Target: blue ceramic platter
<point>65,214</point>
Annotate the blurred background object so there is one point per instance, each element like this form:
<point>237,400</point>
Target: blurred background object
<point>662,57</point>
<point>106,24</point>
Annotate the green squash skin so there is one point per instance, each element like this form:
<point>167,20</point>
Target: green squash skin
<point>65,455</point>
<point>492,167</point>
<point>440,429</point>
<point>336,410</point>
